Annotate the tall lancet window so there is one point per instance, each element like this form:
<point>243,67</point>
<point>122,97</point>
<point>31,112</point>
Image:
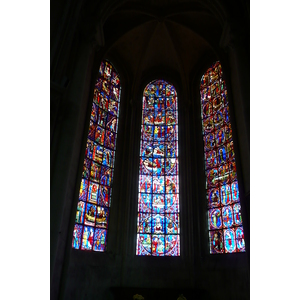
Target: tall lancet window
<point>226,233</point>
<point>158,197</point>
<point>92,216</point>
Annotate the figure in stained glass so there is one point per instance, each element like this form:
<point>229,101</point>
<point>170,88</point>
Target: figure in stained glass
<point>102,217</point>
<point>90,214</point>
<point>77,233</point>
<point>83,189</point>
<point>229,238</point>
<point>80,212</point>
<point>216,242</point>
<point>99,240</point>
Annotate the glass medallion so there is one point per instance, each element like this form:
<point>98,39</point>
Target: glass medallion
<point>146,149</point>
<point>158,245</point>
<point>232,171</point>
<point>147,133</point>
<point>171,203</point>
<point>99,135</point>
<point>97,153</point>
<point>103,104</point>
<point>104,196</point>
<point>225,194</point>
<point>216,241</point>
<point>227,216</point>
<point>108,157</point>
<point>158,223</point>
<point>158,166</point>
<point>77,234</point>
<point>222,158</point>
<point>215,218</point>
<point>159,184</point>
<point>172,223</point>
<point>237,214</point>
<point>208,125</point>
<point>212,178</point>
<point>229,240</point>
<point>171,117</point>
<point>209,141</point>
<point>158,203</point>
<point>240,242</point>
<point>159,133</point>
<point>94,113</point>
<point>100,240</point>
<point>217,103</point>
<point>144,222</point>
<point>235,191</point>
<point>86,168</point>
<point>148,117</point>
<point>145,202</point>
<point>143,246</point>
<point>87,238</point>
<point>172,246</point>
<point>112,123</point>
<point>102,217</point>
<point>95,171</point>
<point>213,197</point>
<point>159,117</point>
<point>159,149</point>
<point>92,128</point>
<point>106,176</point>
<point>230,151</point>
<point>93,192</point>
<point>90,214</point>
<point>83,189</point>
<point>220,137</point>
<point>80,212</point>
<point>171,166</point>
<point>95,189</point>
<point>145,184</point>
<point>211,159</point>
<point>146,165</point>
<point>171,149</point>
<point>223,174</point>
<point>172,184</point>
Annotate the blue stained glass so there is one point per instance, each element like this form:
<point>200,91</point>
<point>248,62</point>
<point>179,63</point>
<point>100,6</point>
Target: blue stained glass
<point>227,216</point>
<point>229,238</point>
<point>158,206</point>
<point>215,218</point>
<point>77,233</point>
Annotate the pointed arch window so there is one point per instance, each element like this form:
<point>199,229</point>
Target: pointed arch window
<point>92,216</point>
<point>225,226</point>
<point>158,198</point>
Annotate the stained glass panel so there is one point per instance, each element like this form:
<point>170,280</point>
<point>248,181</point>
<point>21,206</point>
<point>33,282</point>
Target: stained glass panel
<point>226,234</point>
<point>92,215</point>
<point>158,223</point>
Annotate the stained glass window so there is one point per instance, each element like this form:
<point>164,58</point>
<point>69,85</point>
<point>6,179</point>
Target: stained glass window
<point>92,216</point>
<point>158,198</point>
<point>226,234</point>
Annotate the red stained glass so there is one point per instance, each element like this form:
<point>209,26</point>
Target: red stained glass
<point>226,233</point>
<point>97,176</point>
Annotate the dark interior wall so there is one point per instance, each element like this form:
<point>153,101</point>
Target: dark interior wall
<point>192,35</point>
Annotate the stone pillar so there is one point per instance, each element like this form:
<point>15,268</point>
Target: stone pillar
<point>70,109</point>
